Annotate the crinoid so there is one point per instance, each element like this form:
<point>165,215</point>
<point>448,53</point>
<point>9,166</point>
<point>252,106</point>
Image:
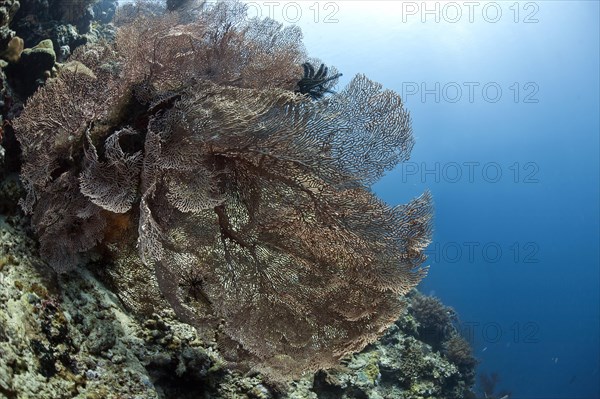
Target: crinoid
<point>316,84</point>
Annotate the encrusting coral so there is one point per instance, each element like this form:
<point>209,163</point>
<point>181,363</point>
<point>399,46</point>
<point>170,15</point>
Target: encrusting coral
<point>183,154</point>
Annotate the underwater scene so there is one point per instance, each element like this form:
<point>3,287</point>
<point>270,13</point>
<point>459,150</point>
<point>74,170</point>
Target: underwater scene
<point>299,199</point>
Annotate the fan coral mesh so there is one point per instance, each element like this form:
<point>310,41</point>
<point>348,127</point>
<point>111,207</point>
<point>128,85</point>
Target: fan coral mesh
<point>186,156</point>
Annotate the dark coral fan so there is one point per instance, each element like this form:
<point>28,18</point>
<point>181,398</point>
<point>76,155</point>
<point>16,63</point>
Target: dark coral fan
<point>459,352</point>
<point>436,321</point>
<point>250,203</point>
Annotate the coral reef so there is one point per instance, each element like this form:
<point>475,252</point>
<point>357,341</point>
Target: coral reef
<point>32,67</point>
<point>191,135</point>
<point>70,337</point>
<point>212,208</point>
<point>66,23</point>
<point>35,34</point>
<point>8,9</point>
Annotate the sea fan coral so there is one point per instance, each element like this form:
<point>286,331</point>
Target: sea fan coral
<point>183,152</point>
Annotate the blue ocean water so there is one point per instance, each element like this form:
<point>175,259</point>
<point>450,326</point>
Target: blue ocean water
<point>504,98</point>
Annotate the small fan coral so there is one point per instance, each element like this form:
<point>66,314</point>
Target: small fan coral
<point>183,153</point>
